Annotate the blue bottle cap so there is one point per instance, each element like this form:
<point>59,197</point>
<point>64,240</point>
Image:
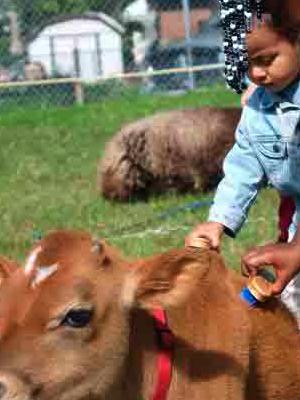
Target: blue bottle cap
<point>247,296</point>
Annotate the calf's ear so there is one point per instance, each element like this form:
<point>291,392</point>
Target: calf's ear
<point>166,279</point>
<point>7,268</point>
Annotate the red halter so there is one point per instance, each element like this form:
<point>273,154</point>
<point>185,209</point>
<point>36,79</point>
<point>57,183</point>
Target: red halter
<point>165,341</point>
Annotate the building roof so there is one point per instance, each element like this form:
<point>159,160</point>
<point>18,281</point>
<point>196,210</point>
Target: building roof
<point>108,20</point>
<point>93,16</point>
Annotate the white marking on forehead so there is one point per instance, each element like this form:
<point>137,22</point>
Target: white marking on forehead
<point>29,264</point>
<point>38,273</point>
<point>42,273</point>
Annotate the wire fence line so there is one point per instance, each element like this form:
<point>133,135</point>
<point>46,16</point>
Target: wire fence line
<point>61,51</point>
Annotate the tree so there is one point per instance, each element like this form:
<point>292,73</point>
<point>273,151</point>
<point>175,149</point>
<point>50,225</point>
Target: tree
<point>34,14</point>
<point>10,40</point>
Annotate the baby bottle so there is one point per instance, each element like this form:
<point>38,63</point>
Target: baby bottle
<point>258,289</point>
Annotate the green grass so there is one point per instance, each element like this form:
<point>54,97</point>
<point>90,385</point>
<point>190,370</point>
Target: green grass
<point>48,160</point>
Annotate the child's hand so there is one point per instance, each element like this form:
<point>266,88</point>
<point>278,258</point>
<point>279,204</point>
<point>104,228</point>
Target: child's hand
<point>210,230</point>
<point>284,257</point>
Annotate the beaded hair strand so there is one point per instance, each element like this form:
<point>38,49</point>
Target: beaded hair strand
<point>237,20</point>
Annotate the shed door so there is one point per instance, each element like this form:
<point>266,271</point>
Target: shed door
<point>87,48</point>
<point>76,55</point>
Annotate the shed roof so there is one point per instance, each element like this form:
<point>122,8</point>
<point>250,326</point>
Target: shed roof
<point>92,16</point>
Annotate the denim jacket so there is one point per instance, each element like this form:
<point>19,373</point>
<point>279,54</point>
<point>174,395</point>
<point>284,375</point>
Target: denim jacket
<point>266,151</point>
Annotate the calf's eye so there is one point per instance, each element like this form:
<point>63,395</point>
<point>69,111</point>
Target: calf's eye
<point>78,318</point>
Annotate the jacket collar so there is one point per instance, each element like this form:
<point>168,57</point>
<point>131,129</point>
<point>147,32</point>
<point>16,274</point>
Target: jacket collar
<point>288,98</point>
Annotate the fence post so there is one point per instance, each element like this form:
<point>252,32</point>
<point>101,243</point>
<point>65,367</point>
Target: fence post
<point>187,29</point>
<point>79,92</point>
<point>52,55</point>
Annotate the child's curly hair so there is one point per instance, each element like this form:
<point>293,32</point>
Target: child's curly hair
<point>238,18</point>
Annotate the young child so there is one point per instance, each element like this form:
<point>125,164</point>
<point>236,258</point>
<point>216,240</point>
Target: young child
<point>267,148</point>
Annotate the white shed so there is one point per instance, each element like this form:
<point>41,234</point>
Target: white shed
<point>84,46</point>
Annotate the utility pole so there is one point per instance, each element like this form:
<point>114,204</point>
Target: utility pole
<point>187,29</point>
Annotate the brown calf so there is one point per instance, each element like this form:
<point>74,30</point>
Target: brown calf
<point>75,325</point>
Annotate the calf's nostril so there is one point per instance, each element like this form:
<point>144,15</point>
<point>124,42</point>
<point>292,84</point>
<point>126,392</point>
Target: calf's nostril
<point>2,390</point>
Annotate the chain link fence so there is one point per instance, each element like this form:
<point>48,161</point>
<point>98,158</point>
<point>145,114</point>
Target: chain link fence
<point>67,51</point>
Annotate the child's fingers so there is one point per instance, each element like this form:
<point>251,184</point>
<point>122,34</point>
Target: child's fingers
<point>208,241</point>
<point>212,232</point>
<point>212,240</point>
<point>190,239</point>
<point>198,241</point>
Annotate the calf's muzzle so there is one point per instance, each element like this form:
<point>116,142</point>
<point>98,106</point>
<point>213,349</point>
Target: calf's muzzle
<point>14,388</point>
